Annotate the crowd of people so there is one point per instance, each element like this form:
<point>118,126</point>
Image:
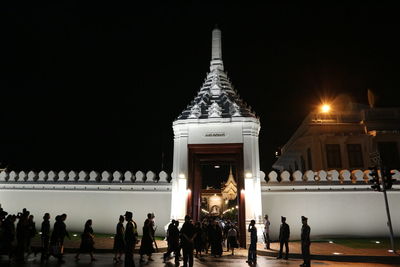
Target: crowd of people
<point>199,237</point>
<point>193,239</point>
<point>284,235</point>
<point>15,241</point>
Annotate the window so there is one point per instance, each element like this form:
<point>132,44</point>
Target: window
<point>333,156</point>
<point>309,159</point>
<point>354,152</point>
<point>389,154</point>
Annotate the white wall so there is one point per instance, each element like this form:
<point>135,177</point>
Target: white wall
<point>352,213</point>
<point>102,207</point>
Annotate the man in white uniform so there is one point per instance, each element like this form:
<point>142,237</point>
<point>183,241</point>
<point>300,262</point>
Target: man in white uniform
<point>267,241</point>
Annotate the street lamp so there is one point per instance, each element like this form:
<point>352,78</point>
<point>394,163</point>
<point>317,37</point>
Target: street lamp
<point>325,108</point>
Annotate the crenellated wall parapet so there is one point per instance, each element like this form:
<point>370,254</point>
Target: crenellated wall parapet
<point>332,180</point>
<point>127,181</point>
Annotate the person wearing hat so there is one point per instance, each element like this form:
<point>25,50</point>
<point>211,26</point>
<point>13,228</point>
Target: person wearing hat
<point>131,237</point>
<point>305,242</point>
<point>284,234</point>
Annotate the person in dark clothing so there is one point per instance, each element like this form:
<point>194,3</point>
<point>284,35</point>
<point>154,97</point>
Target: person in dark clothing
<point>252,255</point>
<point>146,245</point>
<point>55,245</point>
<point>232,238</point>
<point>216,239</point>
<point>236,226</point>
<point>305,242</point>
<point>168,230</point>
<point>119,243</point>
<point>284,234</point>
<point>31,228</point>
<point>63,232</point>
<point>45,237</point>
<point>131,237</point>
<point>209,229</point>
<point>58,236</point>
<point>173,242</point>
<point>9,234</point>
<point>87,241</point>
<point>227,226</point>
<point>198,241</point>
<point>188,235</point>
<point>22,235</point>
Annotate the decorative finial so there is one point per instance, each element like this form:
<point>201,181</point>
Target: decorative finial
<point>216,53</point>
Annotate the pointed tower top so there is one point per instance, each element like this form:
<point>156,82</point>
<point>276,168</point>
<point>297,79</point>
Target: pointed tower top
<point>231,179</point>
<point>216,53</point>
<point>216,98</point>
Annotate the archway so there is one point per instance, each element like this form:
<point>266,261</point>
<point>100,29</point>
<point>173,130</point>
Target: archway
<point>215,154</point>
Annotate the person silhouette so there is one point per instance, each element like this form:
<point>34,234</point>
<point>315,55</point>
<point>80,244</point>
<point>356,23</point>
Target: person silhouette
<point>119,243</point>
<point>45,237</point>
<point>131,237</point>
<point>87,241</point>
<point>252,255</point>
<point>284,234</point>
<point>305,242</point>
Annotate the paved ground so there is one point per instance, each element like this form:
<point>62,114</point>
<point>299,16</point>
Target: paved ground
<point>326,248</point>
<point>226,260</point>
<point>317,248</point>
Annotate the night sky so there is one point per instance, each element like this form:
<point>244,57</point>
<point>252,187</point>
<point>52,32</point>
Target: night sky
<point>97,87</point>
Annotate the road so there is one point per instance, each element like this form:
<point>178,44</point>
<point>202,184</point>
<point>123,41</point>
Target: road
<point>228,261</point>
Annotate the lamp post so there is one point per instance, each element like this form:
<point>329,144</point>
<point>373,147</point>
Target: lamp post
<point>380,176</point>
<point>323,113</point>
<point>325,108</point>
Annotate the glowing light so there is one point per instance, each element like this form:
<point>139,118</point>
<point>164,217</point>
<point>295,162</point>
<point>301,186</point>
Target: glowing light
<point>325,108</point>
<point>111,237</point>
<point>377,242</point>
<point>337,253</point>
<point>390,250</point>
<point>188,191</point>
<point>237,207</point>
<point>242,191</point>
<point>205,211</point>
<point>182,176</point>
<point>74,235</point>
<point>249,175</point>
<point>330,242</point>
<point>217,166</point>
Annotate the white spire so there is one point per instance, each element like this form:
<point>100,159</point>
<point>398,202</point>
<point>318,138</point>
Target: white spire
<point>216,53</point>
<point>216,44</point>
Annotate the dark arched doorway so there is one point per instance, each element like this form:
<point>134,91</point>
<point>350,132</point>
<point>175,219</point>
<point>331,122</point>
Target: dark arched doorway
<point>215,154</point>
